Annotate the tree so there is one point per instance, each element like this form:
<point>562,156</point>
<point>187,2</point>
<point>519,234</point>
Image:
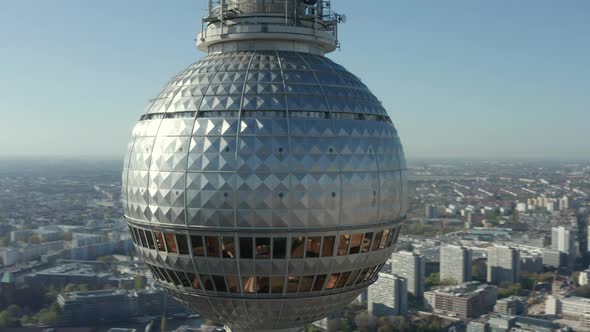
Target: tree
<point>527,283</point>
<point>346,325</point>
<point>333,325</point>
<point>14,310</point>
<point>448,282</point>
<point>52,293</point>
<point>27,320</point>
<point>75,288</point>
<point>34,239</point>
<point>393,324</point>
<point>7,320</point>
<point>70,288</point>
<point>515,218</point>
<point>106,259</point>
<point>4,240</point>
<point>583,291</point>
<point>476,271</point>
<point>508,289</point>
<point>433,280</point>
<point>139,281</point>
<point>311,328</point>
<point>430,324</point>
<point>574,277</point>
<point>67,236</point>
<point>49,316</point>
<point>366,322</point>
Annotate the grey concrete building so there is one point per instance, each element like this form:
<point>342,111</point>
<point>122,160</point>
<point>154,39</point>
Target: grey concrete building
<point>564,239</point>
<point>531,263</point>
<point>512,305</point>
<point>455,264</point>
<point>513,323</point>
<point>388,296</point>
<point>64,274</point>
<point>95,307</point>
<point>82,308</point>
<point>554,258</point>
<point>411,267</point>
<point>468,300</point>
<point>503,265</point>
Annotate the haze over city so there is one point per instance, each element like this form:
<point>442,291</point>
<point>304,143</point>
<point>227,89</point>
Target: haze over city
<point>406,167</point>
<point>465,79</point>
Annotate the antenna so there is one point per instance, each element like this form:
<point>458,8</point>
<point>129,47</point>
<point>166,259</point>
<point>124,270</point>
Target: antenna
<point>308,26</point>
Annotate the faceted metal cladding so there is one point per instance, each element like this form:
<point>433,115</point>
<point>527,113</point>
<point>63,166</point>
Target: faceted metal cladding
<point>266,185</point>
<point>265,144</point>
<point>268,144</point>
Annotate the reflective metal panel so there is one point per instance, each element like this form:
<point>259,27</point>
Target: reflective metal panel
<point>264,188</point>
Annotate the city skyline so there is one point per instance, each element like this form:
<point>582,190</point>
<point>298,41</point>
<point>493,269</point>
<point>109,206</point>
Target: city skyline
<point>400,167</point>
<point>512,77</point>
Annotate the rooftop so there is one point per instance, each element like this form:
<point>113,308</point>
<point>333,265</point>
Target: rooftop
<point>71,269</point>
<point>7,278</point>
<point>93,294</point>
<point>467,289</point>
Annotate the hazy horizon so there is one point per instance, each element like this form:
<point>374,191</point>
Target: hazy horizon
<point>410,160</point>
<point>461,80</point>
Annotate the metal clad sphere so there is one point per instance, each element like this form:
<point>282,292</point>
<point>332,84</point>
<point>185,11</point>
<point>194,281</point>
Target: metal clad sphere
<point>265,189</point>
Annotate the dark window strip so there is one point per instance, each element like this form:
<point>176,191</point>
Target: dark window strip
<point>268,114</point>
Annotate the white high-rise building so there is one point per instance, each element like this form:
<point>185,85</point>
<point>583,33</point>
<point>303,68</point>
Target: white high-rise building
<point>584,277</point>
<point>410,266</point>
<point>455,264</point>
<point>503,265</point>
<point>565,203</point>
<point>564,240</point>
<point>388,296</point>
<point>552,206</point>
<point>431,211</point>
<point>521,207</point>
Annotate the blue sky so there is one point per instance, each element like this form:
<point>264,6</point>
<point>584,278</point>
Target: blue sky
<point>460,78</point>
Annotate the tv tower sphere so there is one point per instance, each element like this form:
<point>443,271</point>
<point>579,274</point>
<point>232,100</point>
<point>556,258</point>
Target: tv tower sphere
<point>265,186</point>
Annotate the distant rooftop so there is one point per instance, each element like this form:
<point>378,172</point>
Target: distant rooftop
<point>71,269</point>
<point>93,294</point>
<point>7,278</point>
<point>463,290</point>
<point>45,329</point>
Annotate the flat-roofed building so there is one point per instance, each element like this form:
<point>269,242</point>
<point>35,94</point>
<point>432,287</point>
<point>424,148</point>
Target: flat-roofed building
<point>388,296</point>
<point>455,264</point>
<point>503,265</point>
<point>573,308</point>
<point>512,323</point>
<point>64,274</point>
<point>412,267</point>
<point>468,300</point>
<point>512,305</point>
<point>554,258</point>
<point>93,307</point>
